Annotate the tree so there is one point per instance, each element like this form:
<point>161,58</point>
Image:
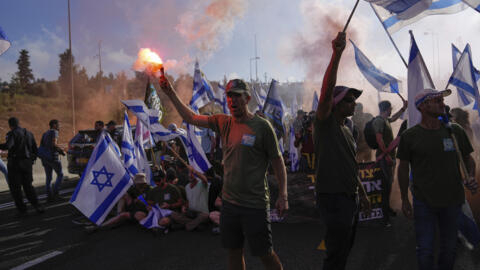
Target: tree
<point>24,73</point>
<point>65,70</point>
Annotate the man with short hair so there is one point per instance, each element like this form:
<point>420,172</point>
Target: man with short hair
<point>22,152</point>
<point>384,136</point>
<point>337,180</point>
<point>430,150</point>
<point>99,125</point>
<point>50,159</point>
<point>249,145</point>
<point>112,130</point>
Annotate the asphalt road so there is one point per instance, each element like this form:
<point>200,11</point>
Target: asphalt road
<point>52,241</point>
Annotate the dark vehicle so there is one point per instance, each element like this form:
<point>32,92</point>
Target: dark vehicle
<point>81,146</point>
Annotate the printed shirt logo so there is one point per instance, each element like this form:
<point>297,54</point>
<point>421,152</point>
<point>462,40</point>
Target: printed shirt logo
<point>248,140</point>
<point>448,145</point>
<point>166,197</point>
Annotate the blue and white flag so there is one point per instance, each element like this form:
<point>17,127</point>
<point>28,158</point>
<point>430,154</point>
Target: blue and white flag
<point>103,182</point>
<point>463,77</point>
<point>463,99</point>
<point>314,101</point>
<point>196,156</point>
<point>221,99</point>
<point>403,9</point>
<point>475,4</point>
<point>154,215</point>
<point>4,42</point>
<point>142,112</point>
<point>418,80</point>
<point>292,150</point>
<point>128,148</point>
<point>141,159</point>
<point>161,133</point>
<point>467,227</point>
<point>377,78</point>
<point>273,109</point>
<point>393,22</point>
<point>202,90</point>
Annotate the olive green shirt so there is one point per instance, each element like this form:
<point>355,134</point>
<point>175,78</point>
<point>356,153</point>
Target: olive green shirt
<point>170,194</point>
<point>382,125</point>
<point>434,164</point>
<point>335,151</point>
<point>248,147</point>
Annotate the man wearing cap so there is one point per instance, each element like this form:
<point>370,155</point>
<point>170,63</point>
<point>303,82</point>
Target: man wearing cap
<point>249,146</point>
<point>337,181</point>
<point>384,136</point>
<point>428,148</point>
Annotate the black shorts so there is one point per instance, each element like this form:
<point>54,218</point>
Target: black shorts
<point>238,223</point>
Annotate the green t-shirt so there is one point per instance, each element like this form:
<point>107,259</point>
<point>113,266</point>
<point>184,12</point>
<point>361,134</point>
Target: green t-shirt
<point>434,164</point>
<point>170,194</point>
<point>248,147</point>
<point>381,125</point>
<point>335,151</point>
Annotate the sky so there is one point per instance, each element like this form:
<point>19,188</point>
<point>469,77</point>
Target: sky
<point>293,37</point>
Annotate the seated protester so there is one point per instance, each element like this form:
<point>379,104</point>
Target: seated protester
<point>166,195</point>
<point>182,173</point>
<point>195,210</point>
<point>131,206</point>
<point>214,198</point>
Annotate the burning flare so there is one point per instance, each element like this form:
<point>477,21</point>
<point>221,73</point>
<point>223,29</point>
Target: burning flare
<point>148,61</point>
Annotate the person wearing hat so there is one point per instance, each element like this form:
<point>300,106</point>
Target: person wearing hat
<point>337,181</point>
<point>249,146</point>
<point>428,148</point>
<point>384,136</point>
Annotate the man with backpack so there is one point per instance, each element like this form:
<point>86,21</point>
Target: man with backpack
<point>22,152</point>
<point>48,153</point>
<point>383,138</point>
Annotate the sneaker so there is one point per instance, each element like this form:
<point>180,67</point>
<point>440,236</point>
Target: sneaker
<point>386,224</point>
<point>39,208</point>
<point>92,229</point>
<point>216,230</point>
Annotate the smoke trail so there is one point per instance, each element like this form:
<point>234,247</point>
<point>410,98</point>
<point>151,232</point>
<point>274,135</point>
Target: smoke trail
<point>207,27</point>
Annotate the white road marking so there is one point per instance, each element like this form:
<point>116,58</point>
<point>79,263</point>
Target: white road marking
<point>20,246</point>
<point>29,233</point>
<point>37,260</point>
<point>57,217</point>
<point>40,197</point>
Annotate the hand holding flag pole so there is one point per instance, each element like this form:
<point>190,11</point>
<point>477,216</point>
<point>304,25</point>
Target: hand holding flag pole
<point>350,17</point>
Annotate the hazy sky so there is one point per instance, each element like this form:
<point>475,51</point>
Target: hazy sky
<point>180,29</point>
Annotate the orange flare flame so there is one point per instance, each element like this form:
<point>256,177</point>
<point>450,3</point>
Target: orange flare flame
<point>148,61</point>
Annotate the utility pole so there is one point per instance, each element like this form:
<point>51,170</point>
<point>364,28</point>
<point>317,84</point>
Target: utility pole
<point>100,64</point>
<point>71,68</point>
<point>256,58</point>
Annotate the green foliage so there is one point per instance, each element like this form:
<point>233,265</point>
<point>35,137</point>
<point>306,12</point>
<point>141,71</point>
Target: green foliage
<point>24,73</point>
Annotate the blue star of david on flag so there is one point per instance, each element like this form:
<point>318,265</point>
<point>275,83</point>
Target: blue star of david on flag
<point>96,182</point>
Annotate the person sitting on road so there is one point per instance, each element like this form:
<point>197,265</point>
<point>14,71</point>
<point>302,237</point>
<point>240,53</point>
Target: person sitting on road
<point>132,206</point>
<point>195,210</point>
<point>166,195</point>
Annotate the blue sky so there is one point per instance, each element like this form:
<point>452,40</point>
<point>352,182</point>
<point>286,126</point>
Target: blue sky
<point>125,26</point>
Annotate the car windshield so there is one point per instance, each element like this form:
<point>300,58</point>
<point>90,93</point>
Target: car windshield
<point>84,137</point>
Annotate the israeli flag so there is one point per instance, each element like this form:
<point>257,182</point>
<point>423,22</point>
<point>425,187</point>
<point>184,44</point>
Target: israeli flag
<point>403,9</point>
<point>160,133</point>
<point>142,163</point>
<point>467,227</point>
<point>377,78</point>
<point>475,4</point>
<point>142,112</point>
<point>463,77</point>
<point>103,182</point>
<point>394,22</point>
<point>221,99</point>
<point>418,80</point>
<point>196,156</point>
<point>292,150</point>
<point>314,101</point>
<point>154,215</point>
<point>4,42</point>
<point>274,109</point>
<point>202,90</point>
<point>128,148</point>
<point>463,100</point>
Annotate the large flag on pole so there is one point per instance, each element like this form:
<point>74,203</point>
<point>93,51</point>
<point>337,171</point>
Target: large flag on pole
<point>103,183</point>
<point>292,150</point>
<point>4,42</point>
<point>142,135</point>
<point>463,100</point>
<point>393,22</point>
<point>314,101</point>
<point>463,77</point>
<point>475,4</point>
<point>142,112</point>
<point>202,90</point>
<point>377,78</point>
<point>128,148</point>
<point>418,80</point>
<point>403,9</point>
<point>221,99</point>
<point>273,109</point>
<point>196,156</point>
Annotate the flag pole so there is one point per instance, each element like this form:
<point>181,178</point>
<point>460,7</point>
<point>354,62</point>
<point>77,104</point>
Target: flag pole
<point>390,37</point>
<point>147,94</point>
<point>350,17</point>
